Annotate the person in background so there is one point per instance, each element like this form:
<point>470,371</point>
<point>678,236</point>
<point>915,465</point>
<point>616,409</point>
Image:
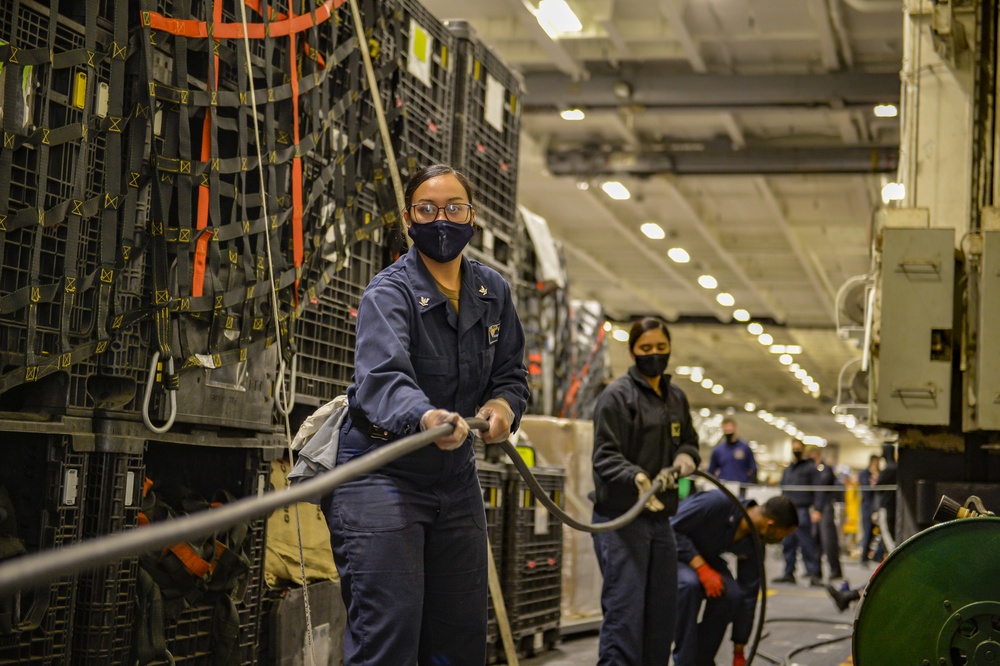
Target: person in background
<point>706,526</point>
<point>886,499</point>
<point>437,340</point>
<point>826,528</point>
<point>642,426</point>
<point>866,478</point>
<point>732,459</point>
<point>802,472</point>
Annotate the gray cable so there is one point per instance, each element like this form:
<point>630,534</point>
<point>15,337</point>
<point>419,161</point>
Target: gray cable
<point>40,568</point>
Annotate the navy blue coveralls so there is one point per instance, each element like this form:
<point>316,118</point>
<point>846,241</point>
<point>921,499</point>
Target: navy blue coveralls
<point>705,525</point>
<point>409,540</point>
<point>636,430</point>
<point>733,462</point>
<point>802,473</point>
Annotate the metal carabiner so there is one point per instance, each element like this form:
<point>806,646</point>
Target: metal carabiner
<point>159,430</point>
<point>281,386</point>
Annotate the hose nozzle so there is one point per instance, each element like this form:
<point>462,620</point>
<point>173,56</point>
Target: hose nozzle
<point>949,509</point>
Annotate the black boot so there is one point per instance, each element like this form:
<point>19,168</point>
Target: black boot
<point>842,598</point>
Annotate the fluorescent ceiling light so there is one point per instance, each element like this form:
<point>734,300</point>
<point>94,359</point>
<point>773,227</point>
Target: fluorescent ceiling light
<point>785,359</point>
<point>886,111</point>
<point>777,349</point>
<point>814,386</point>
<point>683,370</point>
<point>794,367</point>
<point>707,383</point>
<point>621,335</point>
<point>616,190</point>
<point>573,114</point>
<point>749,406</point>
<point>813,440</point>
<point>800,373</point>
<point>653,231</point>
<point>793,349</point>
<point>726,299</point>
<point>893,192</point>
<point>717,389</point>
<point>741,315</point>
<point>583,186</point>
<point>697,374</point>
<point>558,16</point>
<point>708,282</point>
<point>755,329</point>
<point>607,326</point>
<point>679,255</point>
<point>765,339</point>
<point>706,412</point>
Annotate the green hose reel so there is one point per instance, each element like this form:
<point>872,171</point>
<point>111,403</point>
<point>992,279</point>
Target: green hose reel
<point>935,601</point>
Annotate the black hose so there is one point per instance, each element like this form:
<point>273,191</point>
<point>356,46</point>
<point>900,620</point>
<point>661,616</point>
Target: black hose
<point>543,497</point>
<point>813,646</point>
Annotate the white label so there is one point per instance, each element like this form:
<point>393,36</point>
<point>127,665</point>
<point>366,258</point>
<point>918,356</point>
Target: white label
<point>541,520</point>
<point>493,105</point>
<point>130,489</point>
<point>418,60</point>
<point>206,360</point>
<point>102,100</point>
<point>71,487</point>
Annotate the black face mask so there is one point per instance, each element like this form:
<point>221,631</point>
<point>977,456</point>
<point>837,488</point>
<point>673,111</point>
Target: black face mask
<point>797,455</point>
<point>652,365</point>
<point>731,437</point>
<point>441,240</point>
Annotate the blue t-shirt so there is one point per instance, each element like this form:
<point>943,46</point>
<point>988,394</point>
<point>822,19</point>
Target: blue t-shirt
<point>733,462</point>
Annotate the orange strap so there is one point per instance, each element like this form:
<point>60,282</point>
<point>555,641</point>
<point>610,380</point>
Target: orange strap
<point>278,16</point>
<point>201,245</point>
<point>193,564</point>
<point>195,29</point>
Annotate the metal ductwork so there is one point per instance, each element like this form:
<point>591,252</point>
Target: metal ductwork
<point>746,161</point>
<point>651,86</point>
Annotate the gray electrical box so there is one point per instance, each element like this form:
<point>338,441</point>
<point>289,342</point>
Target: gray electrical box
<point>988,361</point>
<point>916,341</point>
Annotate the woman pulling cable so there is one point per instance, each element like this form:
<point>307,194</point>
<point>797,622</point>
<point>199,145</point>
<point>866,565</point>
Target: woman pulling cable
<point>642,424</point>
<point>437,337</point>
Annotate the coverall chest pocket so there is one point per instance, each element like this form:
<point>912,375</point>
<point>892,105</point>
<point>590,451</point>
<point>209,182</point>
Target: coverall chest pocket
<point>435,374</point>
<point>485,368</point>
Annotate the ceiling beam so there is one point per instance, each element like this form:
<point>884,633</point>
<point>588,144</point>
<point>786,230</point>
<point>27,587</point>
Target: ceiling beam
<point>727,259</point>
<point>767,194</point>
<point>720,161</point>
<point>560,57</point>
<point>616,279</point>
<point>621,230</point>
<point>673,10</point>
<point>827,40</point>
<point>654,86</point>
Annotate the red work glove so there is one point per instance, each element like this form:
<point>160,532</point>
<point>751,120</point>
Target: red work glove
<point>711,580</point>
<point>739,659</point>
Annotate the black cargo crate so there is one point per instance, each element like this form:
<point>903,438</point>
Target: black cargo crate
<point>206,469</point>
<point>488,94</point>
<point>532,558</point>
<point>45,476</point>
<point>105,605</point>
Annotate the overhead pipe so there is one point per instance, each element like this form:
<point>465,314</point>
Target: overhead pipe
<point>747,161</point>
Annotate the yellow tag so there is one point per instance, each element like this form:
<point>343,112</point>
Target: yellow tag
<point>420,44</point>
<point>80,90</point>
<point>675,429</point>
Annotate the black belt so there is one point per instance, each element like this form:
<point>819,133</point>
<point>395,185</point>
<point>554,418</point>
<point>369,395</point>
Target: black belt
<point>361,423</point>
